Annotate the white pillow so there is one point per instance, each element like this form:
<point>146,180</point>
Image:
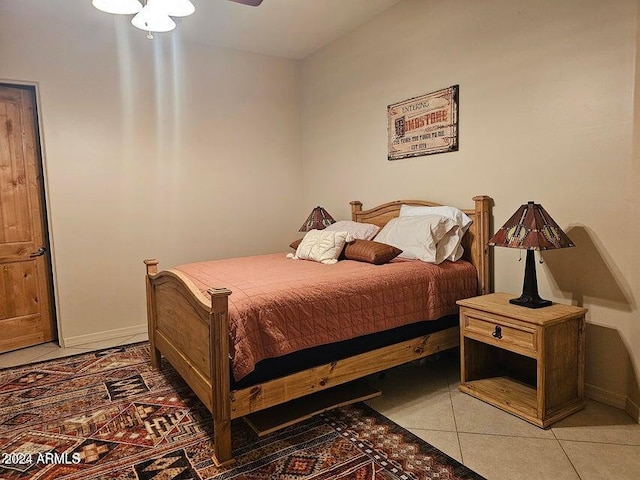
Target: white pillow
<point>320,246</point>
<point>417,236</point>
<point>359,231</point>
<point>453,213</point>
<point>450,247</point>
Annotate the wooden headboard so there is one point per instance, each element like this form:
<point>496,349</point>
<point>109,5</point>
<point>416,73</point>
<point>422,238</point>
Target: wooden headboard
<point>474,242</point>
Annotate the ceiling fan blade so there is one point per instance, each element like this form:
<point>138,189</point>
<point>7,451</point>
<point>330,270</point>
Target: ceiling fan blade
<point>253,3</point>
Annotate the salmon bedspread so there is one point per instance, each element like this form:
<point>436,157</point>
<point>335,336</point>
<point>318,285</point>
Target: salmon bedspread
<point>279,305</point>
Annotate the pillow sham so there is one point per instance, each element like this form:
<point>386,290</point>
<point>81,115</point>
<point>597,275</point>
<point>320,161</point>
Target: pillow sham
<point>320,246</point>
<point>360,231</point>
<point>370,252</point>
<point>417,236</point>
<point>449,248</point>
<point>453,213</point>
<point>295,244</point>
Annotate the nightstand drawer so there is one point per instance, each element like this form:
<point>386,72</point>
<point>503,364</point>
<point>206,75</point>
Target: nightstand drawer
<point>497,331</point>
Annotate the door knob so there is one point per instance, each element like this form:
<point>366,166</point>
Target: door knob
<point>41,251</point>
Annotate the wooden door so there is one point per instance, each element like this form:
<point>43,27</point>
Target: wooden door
<point>26,316</point>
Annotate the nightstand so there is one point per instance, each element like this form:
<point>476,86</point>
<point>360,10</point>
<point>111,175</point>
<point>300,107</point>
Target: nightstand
<point>528,362</point>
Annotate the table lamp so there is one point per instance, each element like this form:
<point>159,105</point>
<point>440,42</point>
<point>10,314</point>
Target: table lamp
<point>318,219</point>
<point>531,228</point>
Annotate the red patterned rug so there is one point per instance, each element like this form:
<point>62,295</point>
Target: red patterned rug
<point>109,415</point>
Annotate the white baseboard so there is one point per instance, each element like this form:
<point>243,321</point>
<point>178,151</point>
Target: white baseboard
<point>106,335</point>
<point>603,396</point>
<point>613,400</point>
<point>633,410</point>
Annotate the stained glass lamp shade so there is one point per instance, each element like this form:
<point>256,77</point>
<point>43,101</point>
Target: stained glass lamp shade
<point>318,219</point>
<point>531,228</point>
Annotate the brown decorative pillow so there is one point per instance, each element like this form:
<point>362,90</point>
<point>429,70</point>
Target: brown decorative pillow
<point>370,252</point>
<point>295,244</point>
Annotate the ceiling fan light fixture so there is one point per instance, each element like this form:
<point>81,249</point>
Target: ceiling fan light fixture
<point>155,15</point>
<point>122,7</point>
<point>153,19</point>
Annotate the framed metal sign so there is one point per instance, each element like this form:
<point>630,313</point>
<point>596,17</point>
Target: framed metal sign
<point>424,125</point>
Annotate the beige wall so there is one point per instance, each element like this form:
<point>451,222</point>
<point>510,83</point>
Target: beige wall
<point>153,149</point>
<point>546,114</point>
<point>149,146</point>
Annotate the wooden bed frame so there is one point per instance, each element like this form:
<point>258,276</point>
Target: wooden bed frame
<point>192,332</point>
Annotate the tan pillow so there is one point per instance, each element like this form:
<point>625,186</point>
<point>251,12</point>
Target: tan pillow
<point>370,252</point>
<point>321,246</point>
<point>295,244</point>
<point>362,231</point>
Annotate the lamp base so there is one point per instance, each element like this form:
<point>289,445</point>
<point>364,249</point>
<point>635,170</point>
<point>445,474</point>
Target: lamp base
<point>530,297</point>
<point>530,302</point>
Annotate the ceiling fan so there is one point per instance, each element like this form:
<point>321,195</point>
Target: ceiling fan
<point>253,3</point>
<point>155,15</point>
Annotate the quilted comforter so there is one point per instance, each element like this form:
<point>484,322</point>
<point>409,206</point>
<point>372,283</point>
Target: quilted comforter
<point>279,306</point>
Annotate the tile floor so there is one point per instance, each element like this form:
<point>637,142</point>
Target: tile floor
<point>51,350</point>
<point>598,443</point>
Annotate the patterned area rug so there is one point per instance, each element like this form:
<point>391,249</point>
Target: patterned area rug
<point>109,415</point>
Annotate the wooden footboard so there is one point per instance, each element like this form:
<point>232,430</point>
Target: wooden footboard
<point>192,332</point>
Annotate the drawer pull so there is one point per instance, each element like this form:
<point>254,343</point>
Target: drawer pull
<point>497,332</point>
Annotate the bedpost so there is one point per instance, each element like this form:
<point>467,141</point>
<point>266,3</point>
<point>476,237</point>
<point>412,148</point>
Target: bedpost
<point>483,217</point>
<point>220,380</point>
<point>152,269</point>
<point>356,207</point>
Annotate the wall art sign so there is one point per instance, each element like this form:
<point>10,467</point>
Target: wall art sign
<point>424,125</point>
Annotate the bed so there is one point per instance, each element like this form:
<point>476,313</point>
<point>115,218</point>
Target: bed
<point>189,325</point>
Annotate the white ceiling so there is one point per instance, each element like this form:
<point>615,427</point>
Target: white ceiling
<point>283,28</point>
